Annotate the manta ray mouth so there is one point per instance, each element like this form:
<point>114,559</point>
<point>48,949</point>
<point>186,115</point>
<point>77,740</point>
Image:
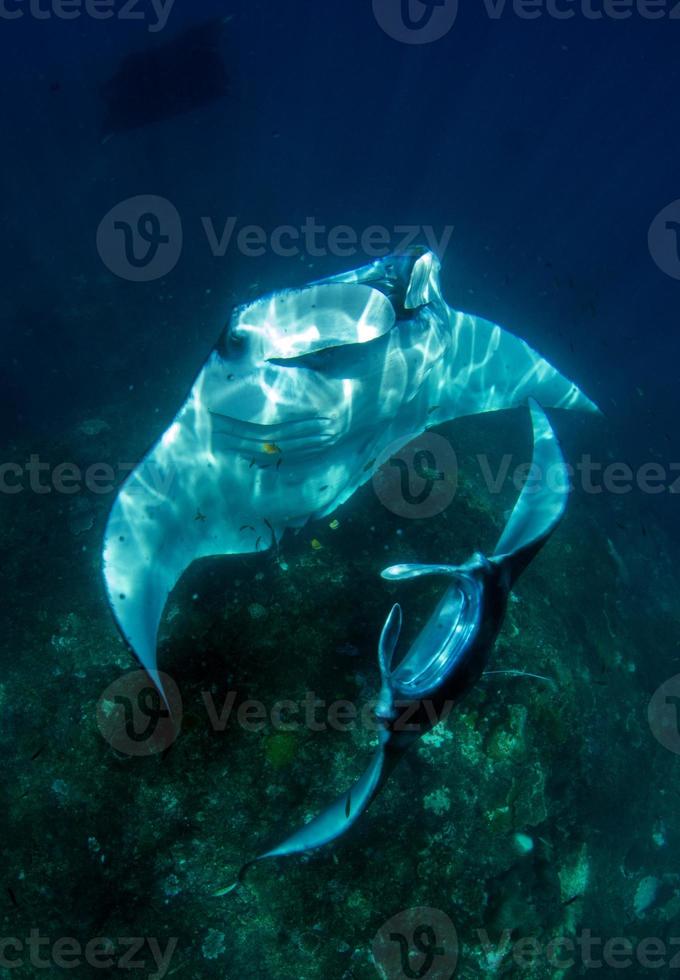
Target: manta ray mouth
<point>316,318</point>
<point>443,640</point>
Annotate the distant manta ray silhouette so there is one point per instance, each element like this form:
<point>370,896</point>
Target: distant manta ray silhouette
<point>302,396</point>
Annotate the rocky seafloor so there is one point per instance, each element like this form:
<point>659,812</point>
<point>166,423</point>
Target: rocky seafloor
<point>535,810</point>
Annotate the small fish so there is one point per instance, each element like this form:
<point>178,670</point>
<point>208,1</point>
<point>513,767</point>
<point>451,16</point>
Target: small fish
<point>435,408</point>
<point>316,544</point>
<point>252,463</point>
<point>334,525</point>
<point>278,462</point>
<point>570,901</point>
<point>271,448</point>
<point>199,516</point>
<point>36,754</point>
<point>369,466</point>
<point>257,543</point>
<point>12,898</point>
<point>246,527</point>
<point>348,805</point>
<point>324,487</point>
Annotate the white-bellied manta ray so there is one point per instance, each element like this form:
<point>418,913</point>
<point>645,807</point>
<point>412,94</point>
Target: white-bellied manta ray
<point>450,653</point>
<point>304,392</point>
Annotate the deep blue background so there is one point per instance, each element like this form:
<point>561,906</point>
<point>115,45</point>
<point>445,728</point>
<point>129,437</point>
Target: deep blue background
<point>549,145</point>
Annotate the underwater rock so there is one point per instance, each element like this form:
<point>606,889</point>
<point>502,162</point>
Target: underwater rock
<point>438,801</point>
<point>574,877</point>
<point>507,742</point>
<point>214,944</point>
<point>527,797</point>
<point>523,844</point>
<point>645,895</point>
<point>281,748</point>
<point>257,611</point>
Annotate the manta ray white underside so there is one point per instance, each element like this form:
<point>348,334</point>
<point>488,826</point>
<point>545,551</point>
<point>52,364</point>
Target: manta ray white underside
<point>292,412</point>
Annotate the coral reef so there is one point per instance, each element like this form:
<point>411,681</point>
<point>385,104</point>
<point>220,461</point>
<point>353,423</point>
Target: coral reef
<point>519,816</point>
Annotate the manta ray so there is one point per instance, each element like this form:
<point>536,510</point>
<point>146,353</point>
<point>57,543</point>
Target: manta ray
<point>302,396</point>
<point>167,80</point>
<point>449,655</point>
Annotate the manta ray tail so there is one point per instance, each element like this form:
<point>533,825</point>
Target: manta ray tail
<point>337,818</point>
<point>331,823</point>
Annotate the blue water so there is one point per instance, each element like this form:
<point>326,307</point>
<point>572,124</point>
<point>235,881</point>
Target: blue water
<point>549,147</point>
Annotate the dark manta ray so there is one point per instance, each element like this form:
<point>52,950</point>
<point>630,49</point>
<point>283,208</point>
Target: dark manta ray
<point>295,408</point>
<point>451,651</point>
<point>173,78</point>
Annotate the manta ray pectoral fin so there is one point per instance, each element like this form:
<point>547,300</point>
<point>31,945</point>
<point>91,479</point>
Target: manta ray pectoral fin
<point>263,436</point>
<point>331,823</point>
<point>541,504</point>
